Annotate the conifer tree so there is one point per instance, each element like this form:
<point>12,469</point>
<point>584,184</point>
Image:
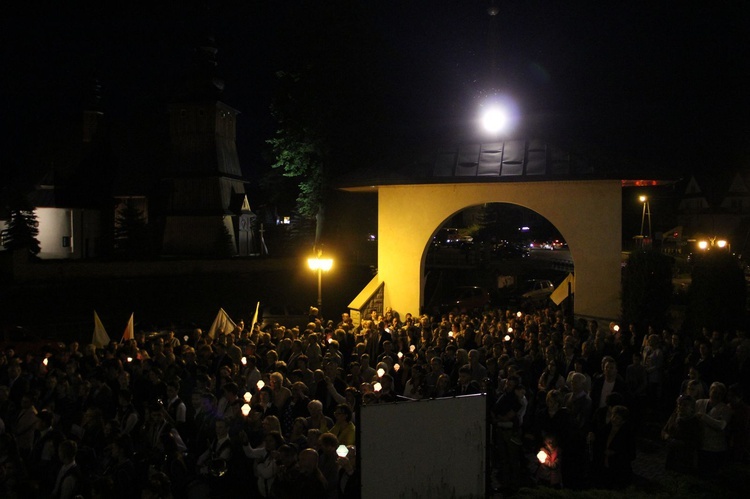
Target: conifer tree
<point>23,228</point>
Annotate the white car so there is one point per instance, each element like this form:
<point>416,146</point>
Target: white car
<point>538,290</point>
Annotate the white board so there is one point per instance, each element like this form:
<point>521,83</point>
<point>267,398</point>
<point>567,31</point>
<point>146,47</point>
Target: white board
<point>424,449</point>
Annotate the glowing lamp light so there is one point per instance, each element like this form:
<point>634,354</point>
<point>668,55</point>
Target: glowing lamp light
<point>721,243</point>
<point>377,387</point>
<point>702,245</point>
<point>342,450</point>
<point>412,348</point>
<point>507,337</point>
<point>260,384</point>
<point>494,119</point>
<point>381,372</point>
<point>247,397</point>
<point>642,199</point>
<point>542,456</point>
<point>396,367</point>
<point>399,355</point>
<point>245,409</point>
<point>323,264</point>
<point>244,361</point>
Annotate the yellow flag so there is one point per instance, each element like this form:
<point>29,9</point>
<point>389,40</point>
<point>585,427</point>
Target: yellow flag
<point>561,292</point>
<point>100,339</point>
<point>129,333</point>
<point>255,316</point>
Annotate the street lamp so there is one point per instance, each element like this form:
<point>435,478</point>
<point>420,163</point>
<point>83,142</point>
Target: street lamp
<point>646,213</point>
<point>321,265</point>
<point>713,242</point>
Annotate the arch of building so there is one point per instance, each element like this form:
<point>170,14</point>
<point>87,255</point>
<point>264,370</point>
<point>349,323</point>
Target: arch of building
<point>588,214</point>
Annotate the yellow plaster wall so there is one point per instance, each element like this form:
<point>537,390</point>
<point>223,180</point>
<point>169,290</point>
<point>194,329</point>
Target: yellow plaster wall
<point>588,214</point>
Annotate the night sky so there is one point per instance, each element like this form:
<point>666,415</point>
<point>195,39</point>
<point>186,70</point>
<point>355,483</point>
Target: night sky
<point>660,83</point>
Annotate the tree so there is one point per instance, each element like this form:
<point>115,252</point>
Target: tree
<point>23,228</point>
<point>130,229</point>
<point>329,99</point>
<point>299,152</point>
<point>717,294</point>
<point>647,289</point>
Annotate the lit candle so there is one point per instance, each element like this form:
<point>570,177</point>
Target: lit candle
<point>412,348</point>
<point>245,409</point>
<point>186,337</point>
<point>542,456</point>
<point>244,361</point>
<point>377,387</point>
<point>330,340</point>
<point>396,367</point>
<point>260,384</point>
<point>400,355</point>
<point>507,337</point>
<point>130,359</point>
<point>342,450</point>
<point>45,361</point>
<point>381,372</point>
<point>450,334</point>
<point>510,329</point>
<point>616,328</point>
<point>247,397</point>
<point>519,314</point>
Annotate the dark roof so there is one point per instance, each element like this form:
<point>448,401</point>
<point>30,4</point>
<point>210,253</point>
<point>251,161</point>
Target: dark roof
<point>510,160</point>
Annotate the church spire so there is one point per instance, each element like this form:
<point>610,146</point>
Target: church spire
<point>202,82</point>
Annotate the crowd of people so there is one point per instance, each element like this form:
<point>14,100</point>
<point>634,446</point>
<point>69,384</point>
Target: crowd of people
<point>272,413</point>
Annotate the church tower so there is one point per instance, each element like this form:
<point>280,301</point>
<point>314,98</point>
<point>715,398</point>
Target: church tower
<point>203,185</point>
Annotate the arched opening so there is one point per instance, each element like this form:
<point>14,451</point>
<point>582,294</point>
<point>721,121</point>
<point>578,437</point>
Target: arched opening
<point>503,254</point>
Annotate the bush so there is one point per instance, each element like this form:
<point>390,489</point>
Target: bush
<point>647,289</point>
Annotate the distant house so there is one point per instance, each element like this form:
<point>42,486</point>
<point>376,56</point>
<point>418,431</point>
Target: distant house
<point>72,194</point>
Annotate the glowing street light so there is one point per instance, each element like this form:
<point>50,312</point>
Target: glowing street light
<point>646,213</point>
<point>713,242</point>
<point>320,264</point>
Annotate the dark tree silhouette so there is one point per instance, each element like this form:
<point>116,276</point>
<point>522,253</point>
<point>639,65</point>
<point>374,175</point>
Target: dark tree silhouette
<point>130,229</point>
<point>23,228</point>
<point>717,293</point>
<point>647,289</point>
